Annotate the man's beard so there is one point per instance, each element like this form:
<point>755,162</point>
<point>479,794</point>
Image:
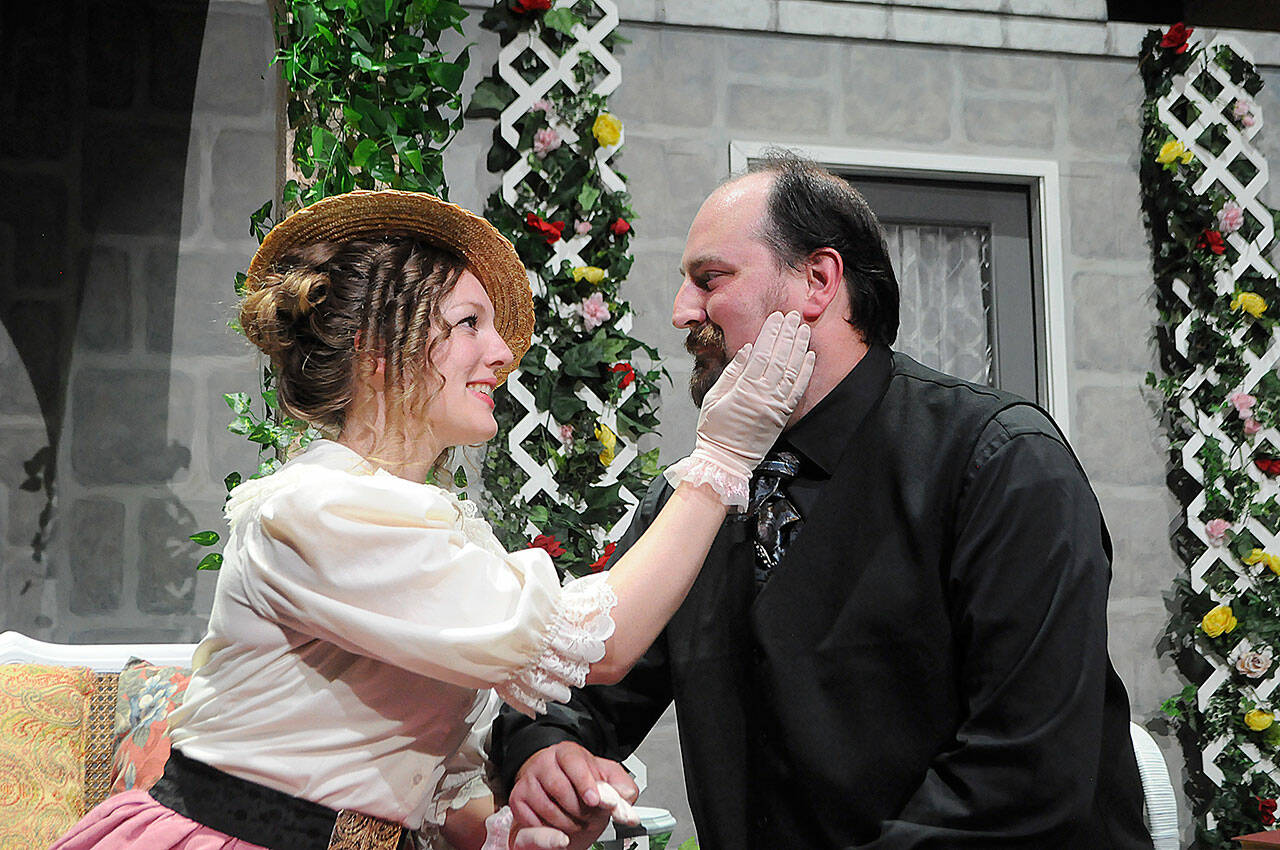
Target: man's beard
<point>706,344</point>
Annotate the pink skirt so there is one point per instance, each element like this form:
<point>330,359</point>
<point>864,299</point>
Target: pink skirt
<point>134,821</point>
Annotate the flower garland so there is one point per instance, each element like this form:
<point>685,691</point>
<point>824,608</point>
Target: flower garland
<point>592,399</point>
<point>1220,399</point>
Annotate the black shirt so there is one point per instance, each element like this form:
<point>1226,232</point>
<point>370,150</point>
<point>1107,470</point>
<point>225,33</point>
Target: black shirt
<point>926,668</point>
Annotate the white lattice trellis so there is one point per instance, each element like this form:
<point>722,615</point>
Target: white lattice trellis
<point>559,70</point>
<point>1203,77</point>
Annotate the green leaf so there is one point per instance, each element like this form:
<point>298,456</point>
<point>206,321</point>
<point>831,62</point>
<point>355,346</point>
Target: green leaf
<point>239,402</point>
<point>561,20</point>
<point>232,481</point>
<point>382,167</point>
<point>460,478</point>
<point>414,158</point>
<point>212,561</point>
<point>363,151</point>
<point>587,196</point>
<point>564,407</point>
<point>447,75</point>
<point>490,97</point>
<point>205,538</point>
<point>260,221</point>
<point>538,515</point>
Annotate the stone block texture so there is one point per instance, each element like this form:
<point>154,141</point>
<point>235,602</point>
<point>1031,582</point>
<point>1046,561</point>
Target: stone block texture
<point>113,313</point>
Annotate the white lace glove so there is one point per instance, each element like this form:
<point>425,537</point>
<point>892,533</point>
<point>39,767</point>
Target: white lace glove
<point>747,408</point>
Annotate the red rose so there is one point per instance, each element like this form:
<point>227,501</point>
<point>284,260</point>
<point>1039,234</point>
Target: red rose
<point>1269,465</point>
<point>628,374</point>
<point>550,544</point>
<point>620,227</point>
<point>551,230</point>
<point>524,7</point>
<point>1266,811</point>
<point>1212,240</point>
<point>598,564</point>
<point>1177,37</point>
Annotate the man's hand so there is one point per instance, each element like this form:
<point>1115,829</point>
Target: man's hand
<point>556,787</point>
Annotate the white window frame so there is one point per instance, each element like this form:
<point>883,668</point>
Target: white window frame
<point>1038,175</point>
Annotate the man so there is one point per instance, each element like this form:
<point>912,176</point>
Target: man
<point>903,643</point>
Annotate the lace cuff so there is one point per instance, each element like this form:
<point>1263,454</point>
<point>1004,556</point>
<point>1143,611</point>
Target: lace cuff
<point>573,642</point>
<point>457,790</point>
<point>732,488</point>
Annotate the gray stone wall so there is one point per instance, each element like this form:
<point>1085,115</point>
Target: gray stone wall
<point>135,206</point>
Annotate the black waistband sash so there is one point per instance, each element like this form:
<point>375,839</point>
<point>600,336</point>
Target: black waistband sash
<point>260,815</point>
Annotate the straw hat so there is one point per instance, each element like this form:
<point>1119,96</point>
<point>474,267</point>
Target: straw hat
<point>365,214</point>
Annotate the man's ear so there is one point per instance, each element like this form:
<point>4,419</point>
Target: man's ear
<point>824,277</point>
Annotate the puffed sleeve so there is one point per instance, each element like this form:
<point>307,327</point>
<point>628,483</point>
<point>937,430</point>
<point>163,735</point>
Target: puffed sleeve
<point>396,571</point>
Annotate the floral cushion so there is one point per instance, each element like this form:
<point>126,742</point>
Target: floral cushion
<point>146,696</point>
<point>44,714</point>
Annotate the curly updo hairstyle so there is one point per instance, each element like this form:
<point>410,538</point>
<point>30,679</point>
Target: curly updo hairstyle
<point>322,306</point>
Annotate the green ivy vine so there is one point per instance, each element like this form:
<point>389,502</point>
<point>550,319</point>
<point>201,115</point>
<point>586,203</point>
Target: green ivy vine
<point>373,102</point>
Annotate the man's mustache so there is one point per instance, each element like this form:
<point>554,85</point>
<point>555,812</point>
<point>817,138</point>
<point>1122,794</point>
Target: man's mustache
<point>706,338</point>
<point>706,343</point>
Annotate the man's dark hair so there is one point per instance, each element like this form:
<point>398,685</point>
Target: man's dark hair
<point>810,208</point>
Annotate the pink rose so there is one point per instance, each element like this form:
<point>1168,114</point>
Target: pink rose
<point>1254,664</point>
<point>1251,426</point>
<point>1242,111</point>
<point>1216,530</point>
<point>594,311</point>
<point>1243,403</point>
<point>1230,217</point>
<point>545,141</point>
<point>582,228</point>
<point>566,435</point>
<point>541,105</point>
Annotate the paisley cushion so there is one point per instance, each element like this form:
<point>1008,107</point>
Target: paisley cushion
<point>147,693</point>
<point>43,721</point>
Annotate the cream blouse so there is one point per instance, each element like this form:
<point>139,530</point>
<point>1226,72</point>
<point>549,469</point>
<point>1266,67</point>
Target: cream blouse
<point>363,630</point>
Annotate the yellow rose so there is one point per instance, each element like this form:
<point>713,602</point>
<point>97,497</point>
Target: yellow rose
<point>593,274</point>
<point>1257,556</point>
<point>1174,150</point>
<point>1258,720</point>
<point>607,129</point>
<point>1218,621</point>
<point>1251,302</point>
<point>609,440</point>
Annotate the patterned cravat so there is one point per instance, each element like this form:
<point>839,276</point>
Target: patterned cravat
<point>776,519</point>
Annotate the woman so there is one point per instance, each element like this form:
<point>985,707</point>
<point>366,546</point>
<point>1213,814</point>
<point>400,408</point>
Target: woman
<point>365,624</point>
